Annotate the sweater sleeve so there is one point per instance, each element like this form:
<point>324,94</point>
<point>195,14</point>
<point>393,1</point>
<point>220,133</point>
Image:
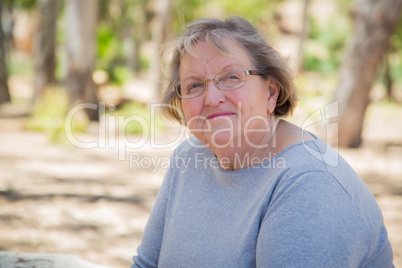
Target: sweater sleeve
<point>149,249</point>
<point>312,221</point>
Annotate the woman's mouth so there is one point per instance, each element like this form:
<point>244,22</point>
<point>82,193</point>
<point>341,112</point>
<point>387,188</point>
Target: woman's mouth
<point>219,114</point>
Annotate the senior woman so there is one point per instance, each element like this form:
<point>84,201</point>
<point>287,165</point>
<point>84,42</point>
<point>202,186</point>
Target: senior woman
<point>246,190</point>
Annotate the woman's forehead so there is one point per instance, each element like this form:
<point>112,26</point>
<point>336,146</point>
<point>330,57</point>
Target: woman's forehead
<point>205,54</point>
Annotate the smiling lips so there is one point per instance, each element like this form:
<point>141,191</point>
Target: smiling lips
<point>220,114</point>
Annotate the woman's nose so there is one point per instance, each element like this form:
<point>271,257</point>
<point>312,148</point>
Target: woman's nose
<point>212,94</point>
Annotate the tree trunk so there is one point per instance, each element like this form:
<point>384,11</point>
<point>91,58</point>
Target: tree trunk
<point>374,22</point>
<point>302,37</point>
<point>4,93</point>
<point>129,46</point>
<point>388,78</point>
<point>45,45</point>
<point>81,40</point>
<point>162,17</point>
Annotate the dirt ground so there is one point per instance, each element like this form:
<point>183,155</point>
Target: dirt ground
<point>87,202</point>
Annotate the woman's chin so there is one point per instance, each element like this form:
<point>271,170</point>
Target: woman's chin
<point>222,140</point>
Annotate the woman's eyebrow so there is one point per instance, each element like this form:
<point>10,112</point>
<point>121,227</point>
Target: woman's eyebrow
<point>228,66</point>
<point>192,77</point>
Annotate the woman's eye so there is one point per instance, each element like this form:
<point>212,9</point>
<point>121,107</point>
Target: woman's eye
<point>232,77</point>
<point>194,86</point>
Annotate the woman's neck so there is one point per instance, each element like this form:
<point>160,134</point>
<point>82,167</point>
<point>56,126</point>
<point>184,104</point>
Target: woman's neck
<point>249,153</point>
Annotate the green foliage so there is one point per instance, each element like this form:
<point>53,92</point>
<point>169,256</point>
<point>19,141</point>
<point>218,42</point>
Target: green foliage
<point>324,49</point>
<point>49,115</point>
<point>103,9</point>
<point>50,112</point>
<point>186,11</point>
<point>396,38</point>
<point>144,62</point>
<point>122,20</point>
<point>110,56</point>
<point>257,11</point>
<point>396,53</point>
<point>109,51</point>
<point>122,74</point>
<point>25,4</point>
<point>396,72</point>
<point>20,66</point>
<point>136,114</point>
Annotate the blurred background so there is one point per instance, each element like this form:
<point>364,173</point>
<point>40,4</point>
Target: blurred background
<point>73,176</point>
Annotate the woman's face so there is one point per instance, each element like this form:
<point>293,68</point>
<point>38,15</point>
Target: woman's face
<point>222,119</point>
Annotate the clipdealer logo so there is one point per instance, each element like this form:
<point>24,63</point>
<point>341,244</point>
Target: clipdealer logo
<point>112,134</point>
<point>200,161</point>
<point>112,130</point>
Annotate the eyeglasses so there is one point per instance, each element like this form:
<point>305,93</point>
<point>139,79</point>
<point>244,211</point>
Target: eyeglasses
<point>229,79</point>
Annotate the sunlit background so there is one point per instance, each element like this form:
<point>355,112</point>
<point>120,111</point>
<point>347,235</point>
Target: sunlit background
<point>83,150</point>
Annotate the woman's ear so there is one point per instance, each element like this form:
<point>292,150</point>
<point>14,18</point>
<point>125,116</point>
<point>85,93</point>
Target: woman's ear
<point>273,89</point>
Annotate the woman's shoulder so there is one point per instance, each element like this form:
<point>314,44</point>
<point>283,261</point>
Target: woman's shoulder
<point>316,164</point>
<point>304,150</point>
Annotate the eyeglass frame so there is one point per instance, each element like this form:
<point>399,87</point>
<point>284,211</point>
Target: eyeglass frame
<point>205,82</point>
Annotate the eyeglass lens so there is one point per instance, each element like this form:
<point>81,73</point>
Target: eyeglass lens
<point>226,80</point>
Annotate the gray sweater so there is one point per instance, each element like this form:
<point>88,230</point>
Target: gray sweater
<point>304,207</point>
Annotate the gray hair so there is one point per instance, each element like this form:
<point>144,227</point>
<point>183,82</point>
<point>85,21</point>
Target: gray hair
<point>265,58</point>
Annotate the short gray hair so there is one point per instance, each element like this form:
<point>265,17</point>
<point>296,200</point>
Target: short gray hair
<point>265,57</point>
